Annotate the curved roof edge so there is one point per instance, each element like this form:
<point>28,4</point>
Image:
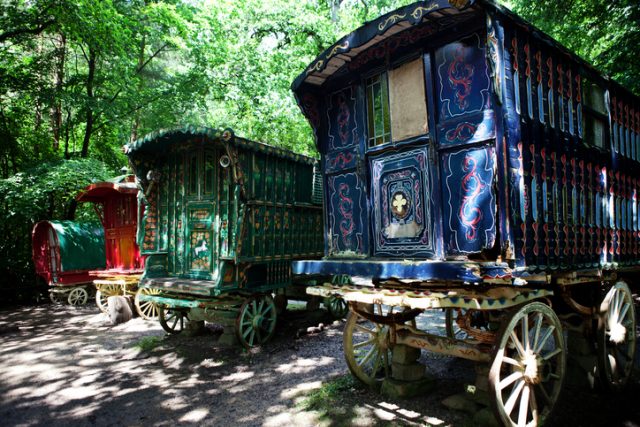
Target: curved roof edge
<point>99,190</point>
<point>391,23</point>
<point>363,37</point>
<point>159,140</point>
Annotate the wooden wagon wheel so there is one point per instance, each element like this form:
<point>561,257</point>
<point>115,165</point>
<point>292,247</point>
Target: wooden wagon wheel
<point>616,337</point>
<point>527,372</point>
<point>172,320</point>
<point>103,292</point>
<point>55,297</point>
<point>148,310</point>
<point>78,296</point>
<point>367,346</point>
<point>337,307</point>
<point>256,321</point>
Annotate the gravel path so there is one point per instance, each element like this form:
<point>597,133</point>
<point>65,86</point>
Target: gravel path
<point>66,366</point>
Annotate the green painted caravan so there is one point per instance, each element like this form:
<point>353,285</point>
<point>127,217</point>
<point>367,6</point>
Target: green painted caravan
<point>223,219</point>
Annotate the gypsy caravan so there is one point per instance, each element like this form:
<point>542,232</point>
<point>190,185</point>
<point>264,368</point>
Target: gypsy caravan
<point>66,254</point>
<point>115,203</point>
<point>224,217</point>
<point>471,163</point>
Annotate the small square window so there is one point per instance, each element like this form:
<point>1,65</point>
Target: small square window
<point>378,117</point>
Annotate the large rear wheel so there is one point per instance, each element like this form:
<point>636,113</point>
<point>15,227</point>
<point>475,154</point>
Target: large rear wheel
<point>527,371</point>
<point>616,337</point>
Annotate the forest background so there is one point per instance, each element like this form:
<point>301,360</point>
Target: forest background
<point>79,78</point>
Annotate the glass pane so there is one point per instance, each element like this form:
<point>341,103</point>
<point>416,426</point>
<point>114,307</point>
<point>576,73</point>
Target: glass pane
<point>193,175</point>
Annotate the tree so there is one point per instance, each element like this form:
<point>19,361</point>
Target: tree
<point>605,33</point>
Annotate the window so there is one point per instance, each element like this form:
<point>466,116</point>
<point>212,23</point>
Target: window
<point>378,115</point>
<point>594,114</point>
<point>397,104</point>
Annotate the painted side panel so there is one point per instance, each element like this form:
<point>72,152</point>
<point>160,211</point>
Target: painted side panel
<point>347,209</point>
<point>470,204</point>
<point>463,90</point>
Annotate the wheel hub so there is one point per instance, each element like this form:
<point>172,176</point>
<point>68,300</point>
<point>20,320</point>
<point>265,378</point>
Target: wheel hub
<point>617,333</point>
<point>257,321</point>
<point>531,373</point>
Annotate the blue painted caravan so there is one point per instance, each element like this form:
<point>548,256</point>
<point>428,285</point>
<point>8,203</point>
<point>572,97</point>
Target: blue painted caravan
<point>473,164</point>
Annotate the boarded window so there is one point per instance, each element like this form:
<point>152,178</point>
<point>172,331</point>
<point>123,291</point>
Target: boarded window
<point>408,100</point>
<point>378,110</point>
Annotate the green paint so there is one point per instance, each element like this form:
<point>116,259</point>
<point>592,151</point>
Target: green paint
<point>81,245</point>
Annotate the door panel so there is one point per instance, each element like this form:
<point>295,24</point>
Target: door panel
<point>200,243</point>
<point>401,196</point>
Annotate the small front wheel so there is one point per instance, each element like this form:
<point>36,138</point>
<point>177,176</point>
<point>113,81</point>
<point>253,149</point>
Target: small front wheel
<point>148,310</point>
<point>172,320</point>
<point>78,296</point>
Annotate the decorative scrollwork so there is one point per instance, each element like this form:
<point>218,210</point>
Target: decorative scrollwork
<point>391,20</point>
<point>420,11</point>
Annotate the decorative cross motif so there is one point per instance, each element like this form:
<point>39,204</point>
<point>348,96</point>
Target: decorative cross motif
<point>399,202</point>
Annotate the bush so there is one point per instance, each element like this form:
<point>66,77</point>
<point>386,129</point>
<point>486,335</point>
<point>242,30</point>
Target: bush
<point>44,192</point>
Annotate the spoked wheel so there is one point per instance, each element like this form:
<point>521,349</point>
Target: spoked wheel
<point>148,310</point>
<point>527,372</point>
<point>55,297</point>
<point>367,348</point>
<point>256,321</point>
<point>78,296</point>
<point>337,307</point>
<point>616,337</point>
<point>173,321</point>
<point>103,293</point>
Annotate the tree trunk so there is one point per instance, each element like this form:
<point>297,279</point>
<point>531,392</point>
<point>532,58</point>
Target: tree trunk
<point>89,120</point>
<point>136,119</point>
<point>58,79</point>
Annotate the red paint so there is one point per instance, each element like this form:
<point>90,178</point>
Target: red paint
<point>119,219</point>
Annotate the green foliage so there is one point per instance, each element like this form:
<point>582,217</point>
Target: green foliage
<point>605,33</point>
<point>46,191</point>
<point>331,393</point>
<point>148,344</point>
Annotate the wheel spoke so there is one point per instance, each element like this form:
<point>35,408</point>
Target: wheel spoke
<point>364,329</point>
<point>545,337</point>
<point>623,312</point>
<point>247,332</point>
<point>554,353</point>
<point>517,343</point>
<point>510,380</point>
<point>511,361</point>
<point>538,327</point>
<point>253,335</point>
<point>363,343</point>
<point>524,407</point>
<point>513,398</point>
<point>368,356</point>
<point>525,332</point>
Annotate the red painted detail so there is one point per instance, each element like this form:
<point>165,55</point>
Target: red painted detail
<point>119,219</point>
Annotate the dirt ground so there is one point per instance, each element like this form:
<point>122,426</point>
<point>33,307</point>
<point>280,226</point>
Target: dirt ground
<point>61,365</point>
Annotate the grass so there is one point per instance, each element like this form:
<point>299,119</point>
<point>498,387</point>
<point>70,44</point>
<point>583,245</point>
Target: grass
<point>148,343</point>
<point>330,393</point>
